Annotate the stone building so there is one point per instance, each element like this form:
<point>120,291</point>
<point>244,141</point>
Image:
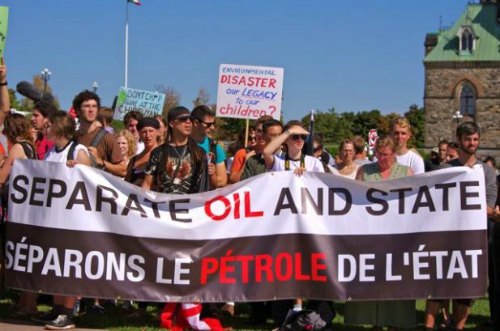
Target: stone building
<point>462,77</point>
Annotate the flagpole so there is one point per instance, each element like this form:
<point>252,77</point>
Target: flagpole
<point>126,44</point>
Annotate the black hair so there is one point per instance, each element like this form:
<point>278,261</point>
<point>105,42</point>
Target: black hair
<point>201,111</point>
<point>270,123</point>
<point>133,114</point>
<point>84,96</point>
<point>468,128</point>
<point>45,108</point>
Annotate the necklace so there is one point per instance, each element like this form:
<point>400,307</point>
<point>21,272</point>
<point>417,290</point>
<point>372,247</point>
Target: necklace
<point>180,155</point>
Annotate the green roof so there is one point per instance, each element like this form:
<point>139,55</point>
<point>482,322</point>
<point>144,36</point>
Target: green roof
<point>483,20</point>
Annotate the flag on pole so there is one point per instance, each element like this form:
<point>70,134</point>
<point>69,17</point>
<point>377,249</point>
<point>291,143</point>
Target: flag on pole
<point>135,2</point>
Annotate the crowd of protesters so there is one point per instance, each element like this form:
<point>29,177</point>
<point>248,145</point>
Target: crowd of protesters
<point>178,155</point>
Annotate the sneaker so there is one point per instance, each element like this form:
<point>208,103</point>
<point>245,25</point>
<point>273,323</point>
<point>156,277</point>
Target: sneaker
<point>45,318</point>
<point>62,322</point>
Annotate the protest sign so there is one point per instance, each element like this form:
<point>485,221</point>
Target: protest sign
<point>149,103</point>
<point>249,91</point>
<point>81,231</point>
<point>4,22</point>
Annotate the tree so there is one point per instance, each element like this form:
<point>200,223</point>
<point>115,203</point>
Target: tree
<point>330,125</point>
<point>14,103</point>
<point>365,121</point>
<point>172,98</point>
<point>202,98</point>
<point>416,117</point>
<point>39,84</point>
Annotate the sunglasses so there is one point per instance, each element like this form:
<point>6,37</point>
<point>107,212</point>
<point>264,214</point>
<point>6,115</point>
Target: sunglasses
<point>206,124</point>
<point>299,136</point>
<point>184,119</point>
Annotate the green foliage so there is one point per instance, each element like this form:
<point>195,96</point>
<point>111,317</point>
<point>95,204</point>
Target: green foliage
<point>416,117</point>
<point>117,125</point>
<point>335,127</point>
<point>229,128</point>
<point>13,99</point>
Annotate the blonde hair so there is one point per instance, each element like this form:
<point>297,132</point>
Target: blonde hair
<point>385,141</point>
<point>402,122</point>
<point>129,137</point>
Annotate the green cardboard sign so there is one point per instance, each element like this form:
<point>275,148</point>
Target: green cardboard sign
<point>4,22</point>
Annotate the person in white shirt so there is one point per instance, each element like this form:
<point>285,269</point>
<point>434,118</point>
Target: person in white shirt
<point>293,137</point>
<point>401,133</point>
<point>61,129</point>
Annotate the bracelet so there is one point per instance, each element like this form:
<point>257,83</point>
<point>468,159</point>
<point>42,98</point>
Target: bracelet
<point>4,84</point>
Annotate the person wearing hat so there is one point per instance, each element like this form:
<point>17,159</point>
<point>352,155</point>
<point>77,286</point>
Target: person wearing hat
<point>148,128</point>
<point>179,166</point>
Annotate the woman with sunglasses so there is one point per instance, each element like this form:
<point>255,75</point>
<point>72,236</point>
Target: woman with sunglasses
<point>293,137</point>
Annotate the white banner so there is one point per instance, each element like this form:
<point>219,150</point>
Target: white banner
<point>81,231</point>
<point>87,199</point>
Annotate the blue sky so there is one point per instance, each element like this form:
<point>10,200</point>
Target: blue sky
<point>351,55</point>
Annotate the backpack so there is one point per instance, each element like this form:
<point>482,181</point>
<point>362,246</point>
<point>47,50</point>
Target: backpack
<point>212,148</point>
<point>307,320</point>
<point>30,152</point>
<point>95,141</point>
<point>71,152</point>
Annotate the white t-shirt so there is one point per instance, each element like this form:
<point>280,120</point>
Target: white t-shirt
<point>311,164</point>
<point>352,175</point>
<point>412,160</point>
<point>53,155</point>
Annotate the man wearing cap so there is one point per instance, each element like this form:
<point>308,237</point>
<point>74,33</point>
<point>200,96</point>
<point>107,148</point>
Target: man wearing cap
<point>178,166</point>
<point>105,150</point>
<point>203,127</point>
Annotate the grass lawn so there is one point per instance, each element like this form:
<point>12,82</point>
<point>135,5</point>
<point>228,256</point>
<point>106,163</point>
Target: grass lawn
<point>116,319</point>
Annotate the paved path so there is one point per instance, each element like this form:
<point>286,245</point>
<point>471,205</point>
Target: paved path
<point>15,325</point>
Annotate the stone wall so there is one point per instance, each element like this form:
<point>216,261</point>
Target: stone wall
<point>441,101</point>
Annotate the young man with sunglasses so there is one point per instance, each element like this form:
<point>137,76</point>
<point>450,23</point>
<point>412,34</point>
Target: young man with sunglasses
<point>293,137</point>
<point>203,128</point>
<point>179,165</point>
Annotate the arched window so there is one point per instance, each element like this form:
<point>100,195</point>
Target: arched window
<point>467,40</point>
<point>468,100</point>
